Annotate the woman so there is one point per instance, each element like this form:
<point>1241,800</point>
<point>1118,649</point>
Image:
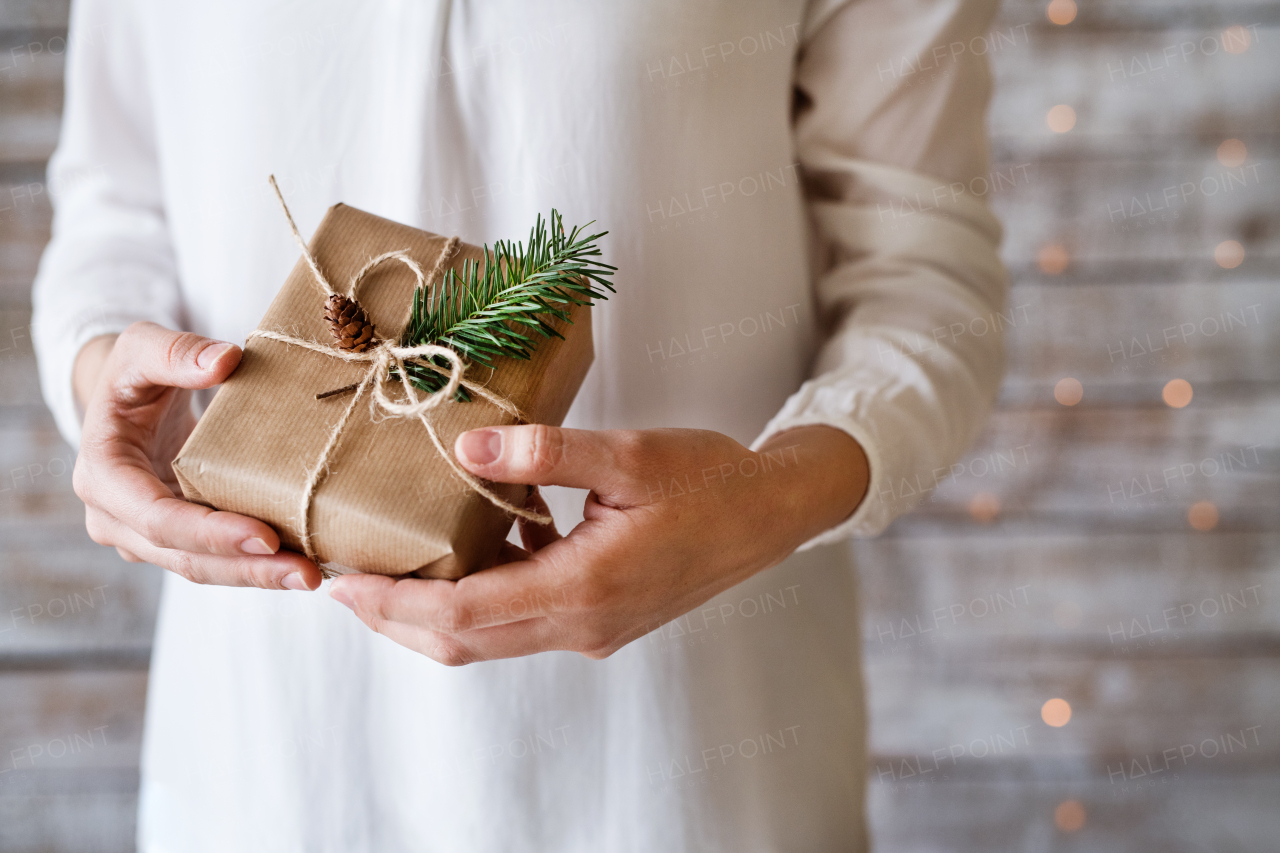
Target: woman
<point>800,268</point>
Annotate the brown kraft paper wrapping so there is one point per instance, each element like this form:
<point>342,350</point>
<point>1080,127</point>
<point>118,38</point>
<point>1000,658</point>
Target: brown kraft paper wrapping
<point>389,503</point>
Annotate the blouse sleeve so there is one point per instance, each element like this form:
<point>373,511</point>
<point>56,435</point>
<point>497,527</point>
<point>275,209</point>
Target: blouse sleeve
<point>890,103</point>
<point>110,262</point>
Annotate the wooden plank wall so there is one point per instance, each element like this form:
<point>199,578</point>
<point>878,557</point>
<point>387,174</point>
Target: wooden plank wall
<point>1059,593</point>
<point>75,620</point>
<point>1039,569</point>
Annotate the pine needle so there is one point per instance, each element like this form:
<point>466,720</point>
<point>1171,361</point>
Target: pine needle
<point>501,307</point>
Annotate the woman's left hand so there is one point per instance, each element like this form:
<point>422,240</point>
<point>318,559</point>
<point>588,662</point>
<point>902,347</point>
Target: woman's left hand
<point>674,517</point>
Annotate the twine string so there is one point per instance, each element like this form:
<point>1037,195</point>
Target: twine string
<point>320,280</point>
<point>382,360</point>
<point>405,354</point>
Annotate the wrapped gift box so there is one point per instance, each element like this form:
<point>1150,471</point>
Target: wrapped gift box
<point>389,503</point>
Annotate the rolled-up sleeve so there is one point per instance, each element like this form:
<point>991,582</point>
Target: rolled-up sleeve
<point>110,262</point>
<point>889,131</point>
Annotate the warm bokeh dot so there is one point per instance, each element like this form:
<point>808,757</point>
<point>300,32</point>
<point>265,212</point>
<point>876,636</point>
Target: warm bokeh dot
<point>1056,712</point>
<point>1236,39</point>
<point>984,507</point>
<point>1229,254</point>
<point>1061,12</point>
<point>1067,614</point>
<point>1177,393</point>
<point>1203,516</point>
<point>1068,391</point>
<point>1053,258</point>
<point>1069,815</point>
<point>1061,118</point>
<point>1232,153</point>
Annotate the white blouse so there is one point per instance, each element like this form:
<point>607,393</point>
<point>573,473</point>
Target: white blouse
<point>788,188</point>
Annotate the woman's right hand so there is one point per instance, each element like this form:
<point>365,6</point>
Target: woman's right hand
<point>136,392</point>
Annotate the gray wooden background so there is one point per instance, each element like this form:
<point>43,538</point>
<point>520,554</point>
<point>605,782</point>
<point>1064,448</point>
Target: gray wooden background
<point>1059,562</point>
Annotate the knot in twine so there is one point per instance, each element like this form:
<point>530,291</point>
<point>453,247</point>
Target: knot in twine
<point>383,358</point>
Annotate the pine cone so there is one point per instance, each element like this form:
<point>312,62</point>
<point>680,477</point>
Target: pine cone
<point>349,324</point>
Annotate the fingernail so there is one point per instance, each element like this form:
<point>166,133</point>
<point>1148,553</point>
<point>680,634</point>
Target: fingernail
<point>207,356</point>
<point>295,581</point>
<point>255,546</point>
<point>339,595</point>
<point>480,446</point>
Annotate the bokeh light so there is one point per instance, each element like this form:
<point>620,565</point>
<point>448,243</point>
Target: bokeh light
<point>1053,258</point>
<point>1069,815</point>
<point>1236,39</point>
<point>1061,118</point>
<point>1061,12</point>
<point>1203,516</point>
<point>1067,614</point>
<point>1177,393</point>
<point>1056,712</point>
<point>1229,254</point>
<point>984,507</point>
<point>1068,391</point>
<point>1232,153</point>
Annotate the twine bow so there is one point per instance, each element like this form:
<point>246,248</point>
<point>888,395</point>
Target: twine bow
<point>383,358</point>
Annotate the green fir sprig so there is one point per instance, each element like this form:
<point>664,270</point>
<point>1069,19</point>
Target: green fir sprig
<point>500,307</point>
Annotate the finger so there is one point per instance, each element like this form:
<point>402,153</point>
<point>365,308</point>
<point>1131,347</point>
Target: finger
<point>147,361</point>
<point>150,358</point>
<point>510,553</point>
<point>285,570</point>
<point>541,455</point>
<point>503,641</point>
<point>536,536</point>
<point>496,596</point>
<point>125,482</point>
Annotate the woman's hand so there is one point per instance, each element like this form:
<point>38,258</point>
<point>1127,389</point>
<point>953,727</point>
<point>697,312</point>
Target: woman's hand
<point>675,516</point>
<point>135,389</point>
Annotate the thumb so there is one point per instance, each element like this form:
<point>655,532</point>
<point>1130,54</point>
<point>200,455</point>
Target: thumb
<point>147,355</point>
<point>540,455</point>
